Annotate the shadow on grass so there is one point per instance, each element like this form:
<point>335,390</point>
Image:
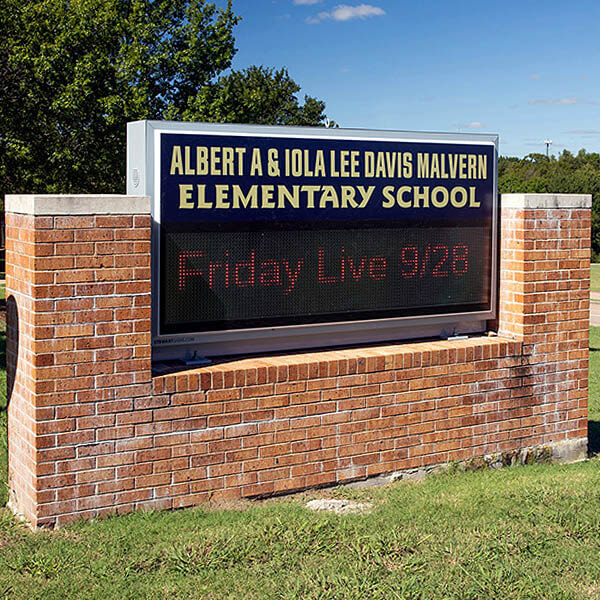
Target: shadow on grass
<point>5,394</point>
<point>593,437</point>
<point>10,342</point>
<point>3,420</point>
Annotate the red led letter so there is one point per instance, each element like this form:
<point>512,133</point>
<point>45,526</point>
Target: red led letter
<point>185,271</point>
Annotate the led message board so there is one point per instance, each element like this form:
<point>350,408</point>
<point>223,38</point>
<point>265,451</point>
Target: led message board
<point>261,233</point>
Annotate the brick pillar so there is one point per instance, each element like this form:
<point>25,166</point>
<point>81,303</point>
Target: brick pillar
<point>544,301</point>
<point>78,297</point>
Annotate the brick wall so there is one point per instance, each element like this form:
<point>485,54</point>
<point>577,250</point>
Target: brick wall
<point>79,288</point>
<point>90,431</point>
<point>545,301</point>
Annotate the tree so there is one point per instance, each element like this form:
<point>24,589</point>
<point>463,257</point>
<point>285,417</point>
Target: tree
<point>256,95</point>
<point>74,72</point>
<point>567,174</point>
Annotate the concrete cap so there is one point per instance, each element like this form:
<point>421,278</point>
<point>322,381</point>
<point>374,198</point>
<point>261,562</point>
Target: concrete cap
<point>72,204</point>
<point>545,200</point>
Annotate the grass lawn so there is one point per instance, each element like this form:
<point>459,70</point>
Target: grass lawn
<point>595,278</point>
<point>519,533</point>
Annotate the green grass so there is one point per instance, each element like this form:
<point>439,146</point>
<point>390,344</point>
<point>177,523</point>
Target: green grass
<point>518,533</point>
<point>595,278</point>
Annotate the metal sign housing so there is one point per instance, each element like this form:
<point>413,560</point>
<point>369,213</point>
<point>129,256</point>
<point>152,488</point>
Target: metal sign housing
<point>273,238</point>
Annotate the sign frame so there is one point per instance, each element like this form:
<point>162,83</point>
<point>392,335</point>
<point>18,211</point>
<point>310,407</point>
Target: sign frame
<point>143,178</point>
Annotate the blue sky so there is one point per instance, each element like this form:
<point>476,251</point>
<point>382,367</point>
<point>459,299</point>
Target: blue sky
<point>526,70</point>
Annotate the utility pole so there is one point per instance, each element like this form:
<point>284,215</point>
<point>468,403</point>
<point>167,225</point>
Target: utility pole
<point>547,142</point>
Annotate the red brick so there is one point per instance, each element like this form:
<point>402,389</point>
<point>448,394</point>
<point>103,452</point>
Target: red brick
<point>253,427</point>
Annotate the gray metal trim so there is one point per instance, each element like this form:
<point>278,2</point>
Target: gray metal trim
<point>315,132</point>
<point>306,336</point>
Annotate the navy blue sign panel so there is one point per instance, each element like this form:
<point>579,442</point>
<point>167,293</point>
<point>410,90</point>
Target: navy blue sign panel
<point>264,231</point>
<point>224,179</point>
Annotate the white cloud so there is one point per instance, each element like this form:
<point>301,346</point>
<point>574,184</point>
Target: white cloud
<point>306,1</point>
<point>585,131</point>
<point>473,125</point>
<point>343,12</point>
<point>318,18</point>
<point>543,146</point>
<point>534,76</point>
<point>555,101</point>
<point>562,101</point>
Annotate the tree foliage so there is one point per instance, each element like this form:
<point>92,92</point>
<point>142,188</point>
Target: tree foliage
<point>74,72</point>
<point>256,95</point>
<point>567,174</point>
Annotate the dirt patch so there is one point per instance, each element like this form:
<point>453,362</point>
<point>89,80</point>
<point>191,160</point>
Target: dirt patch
<point>339,506</point>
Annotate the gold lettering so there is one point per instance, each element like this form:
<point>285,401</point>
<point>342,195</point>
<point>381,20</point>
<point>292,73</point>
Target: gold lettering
<point>401,202</point>
<point>473,203</point>
<point>407,170</point>
<point>310,193</point>
<point>329,195</point>
<point>423,165</point>
<point>366,194</point>
<point>434,196</point>
<point>273,164</point>
<point>250,199</point>
<point>354,164</point>
<point>443,172</point>
<point>388,194</point>
<point>454,193</point>
<point>296,162</point>
<point>256,164</point>
<point>284,194</point>
<point>334,172</point>
<point>188,166</point>
<point>421,195</point>
<point>221,196</point>
<point>201,160</point>
<point>482,166</point>
<point>267,196</point>
<point>344,163</point>
<point>348,193</point>
<point>453,160</point>
<point>320,164</point>
<point>369,164</point>
<point>240,154</point>
<point>462,164</point>
<point>215,159</point>
<point>391,158</point>
<point>176,161</point>
<point>307,171</point>
<point>472,166</point>
<point>202,203</point>
<point>435,166</point>
<point>185,196</point>
<point>380,168</point>
<point>228,168</point>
